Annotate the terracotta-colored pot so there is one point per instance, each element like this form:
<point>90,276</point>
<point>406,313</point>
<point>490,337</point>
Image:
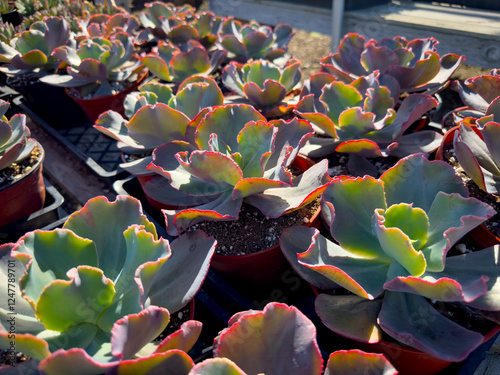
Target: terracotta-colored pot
<point>24,196</point>
<point>93,107</point>
<point>481,235</point>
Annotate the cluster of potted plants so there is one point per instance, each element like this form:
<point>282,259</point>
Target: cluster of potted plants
<point>255,169</point>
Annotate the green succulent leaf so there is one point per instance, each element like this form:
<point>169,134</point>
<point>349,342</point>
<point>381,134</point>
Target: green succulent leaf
<point>157,66</point>
<point>403,247</point>
<point>52,255</point>
<point>183,339</point>
<point>27,344</point>
<point>93,222</point>
<point>272,93</point>
<point>338,96</point>
<point>363,196</point>
<point>85,296</point>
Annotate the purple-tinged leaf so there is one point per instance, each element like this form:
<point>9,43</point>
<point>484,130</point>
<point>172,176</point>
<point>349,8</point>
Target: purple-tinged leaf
<point>362,147</point>
<point>58,32</point>
<point>195,61</point>
<point>255,353</point>
<point>491,134</point>
<point>350,50</point>
<point>233,45</point>
<point>12,154</point>
<point>419,74</point>
<point>77,359</point>
<point>411,320</point>
<point>222,207</point>
<point>30,60</point>
<point>182,339</point>
<point>131,333</point>
<point>305,189</point>
<point>272,93</point>
<point>173,362</point>
<point>350,316</point>
<point>152,126</point>
<point>174,281</point>
<point>486,86</point>
<point>356,362</point>
<point>377,58</point>
<point>433,177</point>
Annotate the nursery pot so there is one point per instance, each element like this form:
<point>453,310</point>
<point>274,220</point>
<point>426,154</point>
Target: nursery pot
<point>93,107</point>
<point>24,196</point>
<point>50,103</point>
<point>265,266</point>
<point>480,234</point>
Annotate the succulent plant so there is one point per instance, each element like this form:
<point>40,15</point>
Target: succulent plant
<point>261,82</point>
<point>281,339</point>
<point>157,116</point>
<point>96,63</point>
<point>127,348</point>
<point>479,92</point>
<point>15,142</point>
<point>235,155</point>
<point>362,119</point>
<point>207,26</point>
<point>30,52</point>
<point>176,63</point>
<point>106,25</point>
<point>392,238</point>
<point>476,145</point>
<point>160,18</point>
<point>415,64</point>
<point>254,41</point>
<point>106,263</point>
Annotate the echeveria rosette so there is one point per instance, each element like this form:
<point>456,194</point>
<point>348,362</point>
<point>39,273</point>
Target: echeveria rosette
<point>476,144</point>
<point>30,51</point>
<point>105,263</point>
<point>157,116</point>
<point>393,237</point>
<point>479,92</point>
<point>361,119</point>
<point>127,347</point>
<point>415,64</point>
<point>261,82</point>
<point>176,63</point>
<point>15,142</point>
<point>236,156</point>
<point>95,63</point>
<point>254,41</point>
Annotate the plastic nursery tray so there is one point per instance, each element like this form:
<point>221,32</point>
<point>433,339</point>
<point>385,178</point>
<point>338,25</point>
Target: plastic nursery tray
<point>98,151</point>
<point>51,212</point>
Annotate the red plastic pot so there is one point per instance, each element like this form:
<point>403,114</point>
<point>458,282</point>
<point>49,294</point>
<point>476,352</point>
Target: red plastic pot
<point>24,196</point>
<point>265,266</point>
<point>95,106</point>
<point>481,235</point>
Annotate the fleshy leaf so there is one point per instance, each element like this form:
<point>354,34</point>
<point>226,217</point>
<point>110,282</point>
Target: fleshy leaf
<point>53,254</point>
<point>173,282</point>
<point>88,291</point>
<point>182,339</point>
<point>413,321</point>
<point>92,222</point>
<point>27,344</point>
<point>251,342</point>
<point>131,333</point>
<point>216,366</point>
<point>356,362</point>
<point>350,316</point>
<point>173,362</point>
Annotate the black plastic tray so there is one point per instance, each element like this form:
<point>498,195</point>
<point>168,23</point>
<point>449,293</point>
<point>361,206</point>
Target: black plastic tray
<point>98,151</point>
<point>51,212</point>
